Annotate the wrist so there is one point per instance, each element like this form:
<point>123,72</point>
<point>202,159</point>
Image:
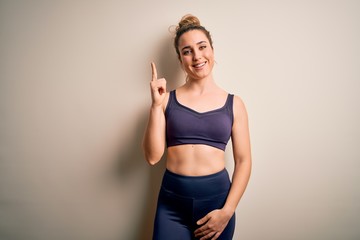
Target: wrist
<point>156,107</point>
<point>156,110</point>
<point>228,210</point>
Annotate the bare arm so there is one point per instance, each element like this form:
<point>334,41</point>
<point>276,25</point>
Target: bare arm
<point>242,156</point>
<point>154,137</point>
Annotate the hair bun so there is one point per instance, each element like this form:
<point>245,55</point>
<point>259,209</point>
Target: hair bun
<point>188,20</point>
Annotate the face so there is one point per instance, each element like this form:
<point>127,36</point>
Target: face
<point>196,54</point>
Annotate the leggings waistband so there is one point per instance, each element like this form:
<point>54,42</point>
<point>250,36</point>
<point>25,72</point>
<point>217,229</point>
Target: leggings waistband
<point>196,186</point>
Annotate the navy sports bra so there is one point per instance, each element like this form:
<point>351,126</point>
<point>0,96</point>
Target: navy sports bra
<point>187,126</point>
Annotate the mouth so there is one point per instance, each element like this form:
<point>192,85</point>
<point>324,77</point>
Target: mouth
<point>199,65</point>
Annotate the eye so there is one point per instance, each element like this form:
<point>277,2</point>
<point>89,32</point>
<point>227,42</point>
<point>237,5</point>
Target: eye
<point>186,52</point>
<point>202,47</point>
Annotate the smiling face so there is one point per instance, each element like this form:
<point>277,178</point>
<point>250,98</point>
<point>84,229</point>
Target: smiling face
<point>196,54</point>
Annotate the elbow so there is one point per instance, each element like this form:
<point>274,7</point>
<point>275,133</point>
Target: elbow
<point>152,153</point>
<point>243,160</point>
<point>152,157</point>
<point>151,160</point>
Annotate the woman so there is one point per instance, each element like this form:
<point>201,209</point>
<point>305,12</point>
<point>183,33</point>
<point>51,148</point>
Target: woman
<point>195,122</point>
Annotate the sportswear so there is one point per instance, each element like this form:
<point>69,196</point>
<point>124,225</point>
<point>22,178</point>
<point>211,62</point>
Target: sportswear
<point>183,200</point>
<point>187,126</point>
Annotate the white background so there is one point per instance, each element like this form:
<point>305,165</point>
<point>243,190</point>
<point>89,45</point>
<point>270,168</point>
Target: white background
<point>74,99</point>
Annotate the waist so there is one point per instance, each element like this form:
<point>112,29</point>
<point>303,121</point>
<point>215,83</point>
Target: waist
<point>196,186</point>
<point>195,160</point>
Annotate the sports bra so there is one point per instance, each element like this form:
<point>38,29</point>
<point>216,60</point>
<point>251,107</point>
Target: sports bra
<point>187,126</point>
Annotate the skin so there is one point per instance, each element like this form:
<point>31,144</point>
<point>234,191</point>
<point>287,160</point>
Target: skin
<point>201,94</point>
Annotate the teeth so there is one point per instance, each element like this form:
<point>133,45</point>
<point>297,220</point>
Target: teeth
<point>199,65</point>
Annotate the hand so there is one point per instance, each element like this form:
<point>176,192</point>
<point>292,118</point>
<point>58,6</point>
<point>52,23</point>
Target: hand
<point>214,224</point>
<point>158,87</point>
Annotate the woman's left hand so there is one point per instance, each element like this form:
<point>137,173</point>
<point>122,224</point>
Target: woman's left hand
<point>214,224</point>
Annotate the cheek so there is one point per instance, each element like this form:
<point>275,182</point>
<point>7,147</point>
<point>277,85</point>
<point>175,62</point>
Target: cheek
<point>183,63</point>
<point>210,55</point>
<point>185,60</point>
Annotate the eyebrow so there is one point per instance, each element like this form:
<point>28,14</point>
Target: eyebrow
<point>201,42</point>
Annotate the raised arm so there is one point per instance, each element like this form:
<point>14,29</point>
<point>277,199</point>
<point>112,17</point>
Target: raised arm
<point>154,137</point>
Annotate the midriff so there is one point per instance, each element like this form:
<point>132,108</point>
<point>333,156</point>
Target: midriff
<point>195,159</point>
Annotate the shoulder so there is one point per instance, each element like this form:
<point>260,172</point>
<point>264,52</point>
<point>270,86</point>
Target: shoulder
<point>239,108</point>
<point>238,102</point>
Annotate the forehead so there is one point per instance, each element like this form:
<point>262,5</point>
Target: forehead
<point>192,37</point>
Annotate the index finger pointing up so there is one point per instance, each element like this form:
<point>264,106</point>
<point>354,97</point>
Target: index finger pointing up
<point>154,72</point>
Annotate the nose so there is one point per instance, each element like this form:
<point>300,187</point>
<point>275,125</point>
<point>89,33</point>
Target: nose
<point>196,55</point>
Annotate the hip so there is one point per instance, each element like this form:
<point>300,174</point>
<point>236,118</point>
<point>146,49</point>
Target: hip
<point>196,186</point>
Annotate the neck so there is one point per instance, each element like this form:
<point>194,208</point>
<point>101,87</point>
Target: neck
<point>201,85</point>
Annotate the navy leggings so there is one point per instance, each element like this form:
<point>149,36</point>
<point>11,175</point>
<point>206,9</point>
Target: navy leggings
<point>183,200</point>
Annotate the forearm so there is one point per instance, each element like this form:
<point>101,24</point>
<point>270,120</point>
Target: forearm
<point>154,137</point>
<point>240,179</point>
